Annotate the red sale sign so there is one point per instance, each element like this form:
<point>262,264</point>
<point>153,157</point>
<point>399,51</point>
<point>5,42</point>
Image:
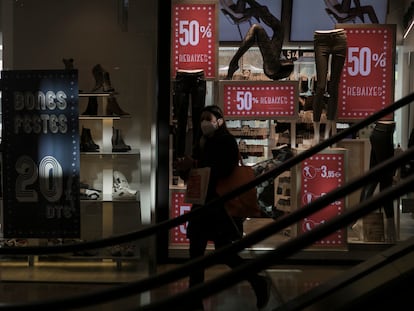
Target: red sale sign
<point>194,38</point>
<point>178,208</point>
<point>259,100</point>
<point>320,174</point>
<point>367,83</point>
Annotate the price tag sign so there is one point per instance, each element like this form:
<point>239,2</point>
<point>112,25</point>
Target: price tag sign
<point>178,208</point>
<point>41,154</point>
<point>367,83</point>
<point>320,174</point>
<point>259,100</point>
<point>194,38</point>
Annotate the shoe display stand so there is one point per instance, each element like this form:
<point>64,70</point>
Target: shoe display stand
<point>109,178</point>
<point>115,173</point>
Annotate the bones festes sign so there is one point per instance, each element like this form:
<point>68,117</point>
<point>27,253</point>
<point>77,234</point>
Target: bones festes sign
<point>40,153</point>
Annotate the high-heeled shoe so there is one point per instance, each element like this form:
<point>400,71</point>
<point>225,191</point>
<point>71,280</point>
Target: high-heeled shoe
<point>92,108</point>
<point>232,69</point>
<point>113,109</point>
<point>102,79</point>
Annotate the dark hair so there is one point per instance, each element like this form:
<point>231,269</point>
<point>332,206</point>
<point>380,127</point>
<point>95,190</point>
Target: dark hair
<point>214,109</point>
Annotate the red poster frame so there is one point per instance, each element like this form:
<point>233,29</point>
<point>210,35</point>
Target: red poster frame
<point>194,37</point>
<point>308,189</point>
<point>368,78</point>
<point>177,235</point>
<point>281,100</point>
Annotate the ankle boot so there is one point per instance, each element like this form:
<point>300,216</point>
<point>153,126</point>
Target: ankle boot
<point>98,72</point>
<point>113,109</point>
<point>68,62</point>
<point>92,108</point>
<point>118,144</point>
<point>87,144</point>
<point>233,67</point>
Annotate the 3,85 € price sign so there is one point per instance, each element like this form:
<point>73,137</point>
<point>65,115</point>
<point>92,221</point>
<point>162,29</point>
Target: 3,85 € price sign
<point>194,44</point>
<point>321,174</point>
<point>368,76</point>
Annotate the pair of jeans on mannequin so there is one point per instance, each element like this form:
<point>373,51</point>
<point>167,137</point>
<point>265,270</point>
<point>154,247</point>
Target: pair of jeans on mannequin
<point>189,87</point>
<point>382,148</point>
<point>328,44</point>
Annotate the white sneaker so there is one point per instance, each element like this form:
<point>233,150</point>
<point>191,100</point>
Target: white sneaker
<point>123,194</point>
<point>120,182</point>
<point>121,189</point>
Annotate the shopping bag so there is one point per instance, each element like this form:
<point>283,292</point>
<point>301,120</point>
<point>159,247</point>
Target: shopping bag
<point>197,185</point>
<point>244,205</point>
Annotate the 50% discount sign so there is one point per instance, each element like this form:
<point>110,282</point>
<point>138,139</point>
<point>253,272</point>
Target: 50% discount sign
<point>194,45</point>
<point>362,60</point>
<point>191,31</point>
<point>367,81</point>
<point>259,99</point>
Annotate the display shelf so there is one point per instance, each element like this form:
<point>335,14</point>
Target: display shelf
<point>116,175</point>
<point>97,94</point>
<point>102,117</point>
<point>111,153</point>
<point>254,138</point>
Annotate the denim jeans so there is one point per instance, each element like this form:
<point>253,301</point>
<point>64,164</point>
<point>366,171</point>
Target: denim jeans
<point>327,44</point>
<point>189,87</point>
<point>382,148</point>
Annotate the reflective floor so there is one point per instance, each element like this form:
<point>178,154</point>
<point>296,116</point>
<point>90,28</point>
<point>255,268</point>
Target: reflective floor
<point>45,278</point>
<point>48,280</point>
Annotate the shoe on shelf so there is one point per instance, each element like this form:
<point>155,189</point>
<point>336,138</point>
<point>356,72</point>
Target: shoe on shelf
<point>89,194</point>
<point>92,108</point>
<point>15,242</point>
<point>113,108</point>
<point>128,250</point>
<point>115,250</point>
<point>118,144</point>
<point>121,188</point>
<point>87,143</point>
<point>121,194</point>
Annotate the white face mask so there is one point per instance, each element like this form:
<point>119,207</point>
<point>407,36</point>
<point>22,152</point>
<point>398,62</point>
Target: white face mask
<point>208,128</point>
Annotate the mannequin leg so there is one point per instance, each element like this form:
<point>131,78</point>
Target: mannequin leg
<point>330,128</point>
<point>390,233</point>
<point>316,135</point>
<point>358,228</point>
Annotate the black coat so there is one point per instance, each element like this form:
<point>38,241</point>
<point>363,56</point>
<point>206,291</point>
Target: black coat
<point>220,152</point>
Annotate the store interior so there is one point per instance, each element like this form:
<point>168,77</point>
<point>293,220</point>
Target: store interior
<point>121,36</point>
